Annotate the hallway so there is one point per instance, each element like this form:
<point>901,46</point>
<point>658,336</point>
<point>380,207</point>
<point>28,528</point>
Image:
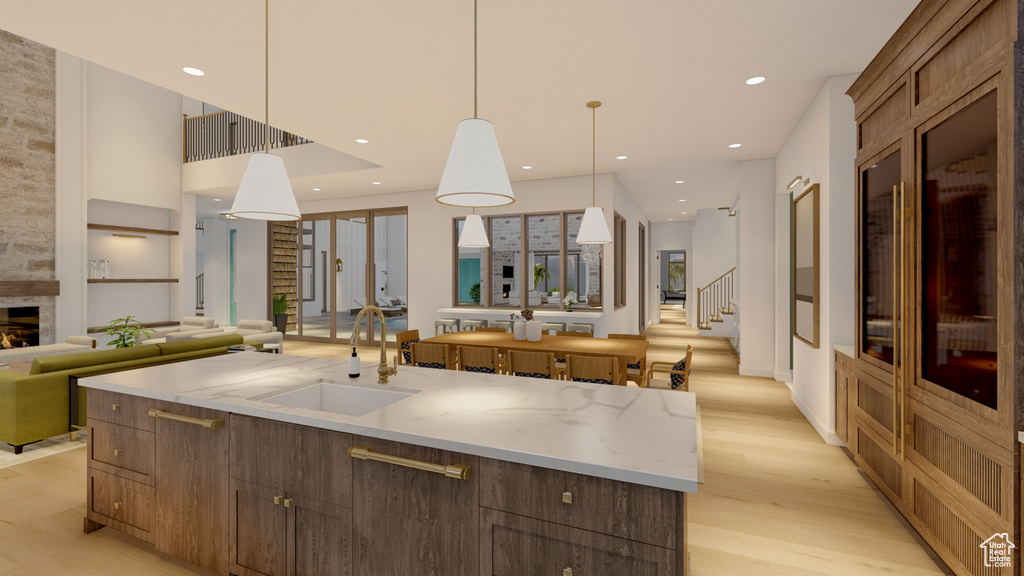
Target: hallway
<point>776,500</point>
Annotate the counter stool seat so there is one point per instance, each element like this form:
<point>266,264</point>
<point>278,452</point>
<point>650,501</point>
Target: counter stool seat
<point>506,324</point>
<point>549,326</point>
<point>446,325</point>
<point>473,324</point>
<point>581,327</point>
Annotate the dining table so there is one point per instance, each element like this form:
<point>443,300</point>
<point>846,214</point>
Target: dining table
<point>627,351</point>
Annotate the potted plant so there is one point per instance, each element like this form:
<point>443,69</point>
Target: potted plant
<point>281,313</point>
<point>474,293</point>
<point>540,274</point>
<point>127,332</point>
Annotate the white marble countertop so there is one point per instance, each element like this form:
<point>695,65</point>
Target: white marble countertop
<point>642,436</point>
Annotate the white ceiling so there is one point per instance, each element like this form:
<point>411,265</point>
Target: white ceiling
<point>671,75</point>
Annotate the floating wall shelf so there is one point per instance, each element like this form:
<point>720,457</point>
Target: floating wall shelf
<point>132,280</point>
<point>131,230</point>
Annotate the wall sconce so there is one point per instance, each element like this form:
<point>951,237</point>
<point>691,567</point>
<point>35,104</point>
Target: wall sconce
<point>797,181</point>
<point>199,226</point>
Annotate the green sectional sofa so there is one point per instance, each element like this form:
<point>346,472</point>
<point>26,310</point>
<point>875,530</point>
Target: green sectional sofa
<point>36,406</point>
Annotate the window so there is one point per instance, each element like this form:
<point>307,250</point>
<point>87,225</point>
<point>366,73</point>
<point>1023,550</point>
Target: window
<point>533,261</point>
<point>471,280</point>
<point>676,272</point>
<point>620,261</point>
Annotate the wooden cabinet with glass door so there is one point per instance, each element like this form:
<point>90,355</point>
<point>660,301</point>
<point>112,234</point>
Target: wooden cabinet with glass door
<point>932,412</point>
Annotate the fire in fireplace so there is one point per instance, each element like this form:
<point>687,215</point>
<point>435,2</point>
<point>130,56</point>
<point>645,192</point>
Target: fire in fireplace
<point>19,327</point>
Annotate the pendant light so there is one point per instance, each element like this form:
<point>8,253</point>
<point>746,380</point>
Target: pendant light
<point>594,228</point>
<point>265,192</point>
<point>473,233</point>
<point>475,173</point>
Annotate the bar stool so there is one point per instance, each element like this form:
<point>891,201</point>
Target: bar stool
<point>473,324</point>
<point>446,325</point>
<point>581,327</point>
<point>549,326</point>
<point>506,324</point>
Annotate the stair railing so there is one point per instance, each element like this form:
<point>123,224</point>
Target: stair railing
<point>200,299</point>
<point>714,300</point>
<point>225,133</point>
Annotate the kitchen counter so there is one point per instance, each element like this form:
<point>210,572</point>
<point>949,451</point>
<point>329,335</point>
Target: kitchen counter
<point>641,436</point>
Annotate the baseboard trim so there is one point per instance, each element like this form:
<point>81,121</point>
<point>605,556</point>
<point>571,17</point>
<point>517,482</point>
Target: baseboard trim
<point>784,375</point>
<point>829,436</point>
<point>757,372</point>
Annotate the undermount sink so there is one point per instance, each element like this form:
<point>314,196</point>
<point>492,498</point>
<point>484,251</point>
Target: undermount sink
<point>337,397</point>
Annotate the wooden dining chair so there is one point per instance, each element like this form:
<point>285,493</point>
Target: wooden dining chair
<point>490,329</point>
<point>405,341</point>
<point>427,355</point>
<point>533,364</point>
<point>479,359</point>
<point>594,369</point>
<point>679,373</point>
<point>574,333</point>
<point>634,372</point>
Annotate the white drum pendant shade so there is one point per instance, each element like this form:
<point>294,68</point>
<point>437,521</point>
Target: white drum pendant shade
<point>475,174</point>
<point>473,233</point>
<point>593,228</point>
<point>265,192</point>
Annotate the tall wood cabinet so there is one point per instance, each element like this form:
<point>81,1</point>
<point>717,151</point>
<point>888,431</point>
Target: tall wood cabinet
<point>931,412</point>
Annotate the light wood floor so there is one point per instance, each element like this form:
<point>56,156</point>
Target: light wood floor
<point>777,500</point>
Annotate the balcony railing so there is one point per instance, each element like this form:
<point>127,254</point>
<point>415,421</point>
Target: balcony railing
<point>225,133</point>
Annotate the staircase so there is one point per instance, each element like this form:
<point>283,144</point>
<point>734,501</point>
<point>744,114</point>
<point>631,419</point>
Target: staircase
<point>714,300</point>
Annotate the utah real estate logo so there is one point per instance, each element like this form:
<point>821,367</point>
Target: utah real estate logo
<point>998,551</point>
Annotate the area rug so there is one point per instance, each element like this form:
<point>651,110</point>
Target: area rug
<point>47,447</point>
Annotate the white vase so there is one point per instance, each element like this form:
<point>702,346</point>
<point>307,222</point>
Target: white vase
<point>519,330</point>
<point>533,331</point>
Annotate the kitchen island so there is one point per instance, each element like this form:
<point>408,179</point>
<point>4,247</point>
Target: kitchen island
<point>264,464</point>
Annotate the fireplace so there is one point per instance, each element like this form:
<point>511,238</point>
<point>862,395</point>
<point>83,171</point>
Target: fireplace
<point>19,327</point>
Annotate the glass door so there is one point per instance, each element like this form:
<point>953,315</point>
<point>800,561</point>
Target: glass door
<point>346,261</point>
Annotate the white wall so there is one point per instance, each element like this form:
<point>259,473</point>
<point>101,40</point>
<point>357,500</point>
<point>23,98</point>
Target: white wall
<point>714,253</point>
<point>671,236</point>
<point>134,140</point>
<point>70,256</point>
<point>251,288</point>
<point>823,148</point>
<point>626,320</point>
<point>755,281</point>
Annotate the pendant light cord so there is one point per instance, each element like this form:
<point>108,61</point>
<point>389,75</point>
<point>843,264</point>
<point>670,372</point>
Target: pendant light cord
<point>266,75</point>
<point>474,59</point>
<point>593,180</point>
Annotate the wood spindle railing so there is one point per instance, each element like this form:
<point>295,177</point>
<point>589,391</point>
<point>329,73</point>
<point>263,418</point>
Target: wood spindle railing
<point>224,133</point>
<point>714,300</point>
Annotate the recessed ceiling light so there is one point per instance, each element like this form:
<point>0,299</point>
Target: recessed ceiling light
<point>679,181</point>
<point>376,183</point>
<point>620,157</point>
<point>362,140</point>
<point>193,71</point>
<point>669,219</point>
<point>755,80</point>
<point>527,167</point>
<point>316,189</point>
<point>735,145</point>
<point>216,199</point>
<point>682,212</point>
<point>682,199</point>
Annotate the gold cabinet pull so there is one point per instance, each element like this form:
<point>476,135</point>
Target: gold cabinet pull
<point>288,502</point>
<point>115,407</point>
<point>117,505</point>
<point>212,424</point>
<point>277,499</point>
<point>567,497</point>
<point>457,471</point>
<point>117,451</point>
